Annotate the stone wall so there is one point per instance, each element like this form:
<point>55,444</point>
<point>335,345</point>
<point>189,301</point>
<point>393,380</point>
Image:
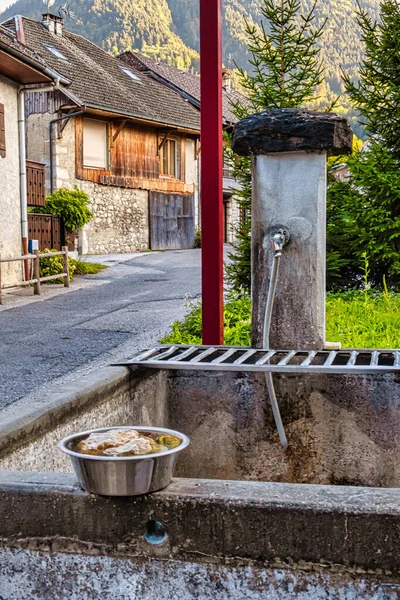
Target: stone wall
<point>10,208</point>
<point>223,541</point>
<point>121,220</point>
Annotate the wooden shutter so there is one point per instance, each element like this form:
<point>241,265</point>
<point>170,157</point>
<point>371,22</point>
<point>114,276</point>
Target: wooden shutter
<point>2,132</point>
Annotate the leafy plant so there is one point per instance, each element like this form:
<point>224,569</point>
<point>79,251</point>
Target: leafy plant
<point>197,239</point>
<point>356,318</point>
<point>237,323</point>
<point>53,266</point>
<point>70,205</point>
<point>86,268</point>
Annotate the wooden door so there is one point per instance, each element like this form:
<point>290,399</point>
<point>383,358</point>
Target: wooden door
<point>172,223</point>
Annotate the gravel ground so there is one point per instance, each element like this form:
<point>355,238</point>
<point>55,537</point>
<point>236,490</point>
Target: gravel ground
<point>102,318</point>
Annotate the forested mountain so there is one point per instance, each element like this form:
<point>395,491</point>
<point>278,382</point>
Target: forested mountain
<point>169,29</point>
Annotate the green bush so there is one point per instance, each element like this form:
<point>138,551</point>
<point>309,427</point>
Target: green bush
<point>54,265</point>
<point>70,205</point>
<point>357,319</point>
<point>197,239</point>
<point>237,324</point>
<point>364,217</point>
<point>85,268</point>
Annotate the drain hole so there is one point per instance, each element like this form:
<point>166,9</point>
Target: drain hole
<point>155,532</point>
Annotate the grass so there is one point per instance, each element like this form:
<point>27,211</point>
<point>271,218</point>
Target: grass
<point>357,319</point>
<point>87,268</point>
<point>364,319</point>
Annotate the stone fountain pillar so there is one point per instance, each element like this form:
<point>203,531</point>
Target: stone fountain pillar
<point>289,149</point>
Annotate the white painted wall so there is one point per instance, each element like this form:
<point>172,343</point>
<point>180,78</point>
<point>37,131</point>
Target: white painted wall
<point>10,210</point>
<point>192,174</point>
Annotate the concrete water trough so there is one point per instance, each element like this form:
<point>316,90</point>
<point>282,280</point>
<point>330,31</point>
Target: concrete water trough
<point>240,520</point>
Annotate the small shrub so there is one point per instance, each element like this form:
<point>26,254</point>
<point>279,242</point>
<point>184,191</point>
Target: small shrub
<point>197,239</point>
<point>237,323</point>
<point>71,206</point>
<point>86,268</point>
<point>54,265</point>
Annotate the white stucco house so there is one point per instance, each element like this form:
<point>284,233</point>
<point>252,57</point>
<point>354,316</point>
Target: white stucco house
<point>20,69</point>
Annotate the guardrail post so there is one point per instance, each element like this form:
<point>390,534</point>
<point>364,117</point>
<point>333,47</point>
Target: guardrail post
<point>36,273</point>
<point>67,279</point>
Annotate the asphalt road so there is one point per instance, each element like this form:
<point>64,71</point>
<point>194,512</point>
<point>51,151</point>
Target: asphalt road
<point>127,307</point>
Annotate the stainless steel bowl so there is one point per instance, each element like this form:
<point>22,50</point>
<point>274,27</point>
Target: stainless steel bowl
<point>124,475</point>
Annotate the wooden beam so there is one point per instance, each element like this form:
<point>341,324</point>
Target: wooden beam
<point>118,130</point>
<point>164,140</point>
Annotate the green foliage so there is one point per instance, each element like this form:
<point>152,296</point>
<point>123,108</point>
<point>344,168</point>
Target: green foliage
<point>237,324</point>
<point>364,319</point>
<point>71,206</point>
<point>364,213</point>
<point>357,319</point>
<point>86,268</point>
<point>197,239</point>
<point>54,265</point>
<point>376,94</point>
<point>286,73</point>
<point>364,217</point>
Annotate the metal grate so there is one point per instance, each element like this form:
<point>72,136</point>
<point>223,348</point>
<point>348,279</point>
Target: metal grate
<point>225,358</point>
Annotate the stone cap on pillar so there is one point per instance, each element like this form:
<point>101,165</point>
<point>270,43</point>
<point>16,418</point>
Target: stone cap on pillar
<point>292,130</point>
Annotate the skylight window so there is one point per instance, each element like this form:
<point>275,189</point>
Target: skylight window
<point>54,51</point>
<point>129,73</point>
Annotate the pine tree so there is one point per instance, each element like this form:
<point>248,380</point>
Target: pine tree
<point>286,70</point>
<point>365,211</point>
<point>376,95</point>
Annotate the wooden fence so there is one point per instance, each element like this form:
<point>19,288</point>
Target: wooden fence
<point>47,229</point>
<point>35,183</point>
<point>37,280</point>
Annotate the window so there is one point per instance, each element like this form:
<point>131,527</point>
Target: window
<point>130,73</point>
<point>2,133</point>
<point>170,158</point>
<point>95,143</point>
<point>55,51</point>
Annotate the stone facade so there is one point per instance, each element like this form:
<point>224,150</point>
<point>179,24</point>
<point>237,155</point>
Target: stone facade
<point>10,208</point>
<point>120,223</point>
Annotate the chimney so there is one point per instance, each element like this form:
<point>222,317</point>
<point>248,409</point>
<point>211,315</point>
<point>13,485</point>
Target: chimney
<point>53,23</point>
<point>227,79</point>
<point>19,29</point>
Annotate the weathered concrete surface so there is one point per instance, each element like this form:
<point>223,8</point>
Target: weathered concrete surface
<point>231,539</point>
<point>291,130</point>
<point>113,396</point>
<point>340,429</point>
<point>290,190</point>
<point>34,575</point>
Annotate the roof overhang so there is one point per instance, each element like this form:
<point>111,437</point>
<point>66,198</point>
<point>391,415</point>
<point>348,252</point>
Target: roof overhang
<point>18,70</point>
<point>111,114</point>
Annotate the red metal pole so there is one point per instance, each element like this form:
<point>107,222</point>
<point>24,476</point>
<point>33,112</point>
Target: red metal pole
<point>211,170</point>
